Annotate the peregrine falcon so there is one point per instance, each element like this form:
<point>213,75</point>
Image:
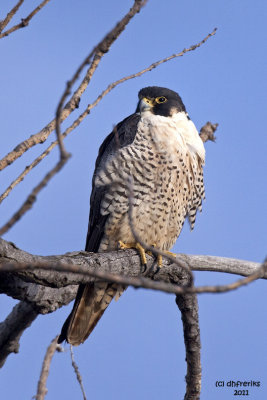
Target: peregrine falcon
<point>160,148</point>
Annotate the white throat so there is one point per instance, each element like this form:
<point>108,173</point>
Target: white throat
<point>174,132</point>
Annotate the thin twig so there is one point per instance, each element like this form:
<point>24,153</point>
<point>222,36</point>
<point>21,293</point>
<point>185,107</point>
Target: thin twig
<point>24,21</point>
<point>97,53</point>
<point>41,136</point>
<point>77,372</point>
<point>206,132</point>
<point>27,205</point>
<point>41,387</point>
<point>73,103</point>
<point>10,15</point>
<point>147,69</point>
<point>132,76</point>
<point>137,282</point>
<point>27,170</point>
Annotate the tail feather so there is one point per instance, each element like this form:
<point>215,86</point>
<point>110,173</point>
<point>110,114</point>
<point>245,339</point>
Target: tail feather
<point>90,304</point>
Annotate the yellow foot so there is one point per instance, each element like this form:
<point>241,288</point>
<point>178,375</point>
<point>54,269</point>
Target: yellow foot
<point>159,257</point>
<point>136,246</point>
<point>169,253</point>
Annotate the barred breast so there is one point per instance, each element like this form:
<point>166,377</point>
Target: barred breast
<point>165,162</point>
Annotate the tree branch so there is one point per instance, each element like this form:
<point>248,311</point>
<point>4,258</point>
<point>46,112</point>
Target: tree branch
<point>120,263</point>
<point>24,21</point>
<point>20,318</point>
<point>77,372</point>
<point>32,197</point>
<point>41,387</point>
<point>188,306</point>
<point>206,132</point>
<point>23,268</point>
<point>10,15</point>
<point>73,103</point>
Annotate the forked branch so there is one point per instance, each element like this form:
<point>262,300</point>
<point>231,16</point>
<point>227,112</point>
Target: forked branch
<point>24,21</point>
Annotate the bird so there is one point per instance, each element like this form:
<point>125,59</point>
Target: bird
<point>159,147</point>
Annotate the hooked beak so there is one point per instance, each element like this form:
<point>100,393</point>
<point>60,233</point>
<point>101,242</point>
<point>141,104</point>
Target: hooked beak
<point>144,104</point>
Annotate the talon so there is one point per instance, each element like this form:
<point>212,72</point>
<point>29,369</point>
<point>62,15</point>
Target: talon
<point>145,268</point>
<point>157,270</point>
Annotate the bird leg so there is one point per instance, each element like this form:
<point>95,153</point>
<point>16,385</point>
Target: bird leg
<point>142,253</point>
<point>138,247</point>
<point>168,253</point>
<point>159,256</point>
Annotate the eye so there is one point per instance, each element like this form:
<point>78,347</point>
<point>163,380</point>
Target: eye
<point>161,99</point>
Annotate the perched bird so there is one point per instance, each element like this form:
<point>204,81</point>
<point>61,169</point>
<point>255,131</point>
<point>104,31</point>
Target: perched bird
<point>160,148</point>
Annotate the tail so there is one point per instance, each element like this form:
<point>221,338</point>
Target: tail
<point>91,301</point>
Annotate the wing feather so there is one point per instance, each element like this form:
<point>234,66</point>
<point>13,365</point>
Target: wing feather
<point>92,300</point>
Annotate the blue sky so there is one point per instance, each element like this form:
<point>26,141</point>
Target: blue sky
<point>137,349</point>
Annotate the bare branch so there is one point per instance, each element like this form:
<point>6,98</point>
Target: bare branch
<point>73,103</point>
<point>41,136</point>
<point>77,373</point>
<point>206,132</point>
<point>116,270</point>
<point>85,267</point>
<point>137,74</point>
<point>41,388</point>
<point>10,15</point>
<point>147,69</point>
<point>24,21</point>
<point>97,53</point>
<point>20,318</point>
<point>27,205</point>
<point>27,170</point>
<point>188,306</point>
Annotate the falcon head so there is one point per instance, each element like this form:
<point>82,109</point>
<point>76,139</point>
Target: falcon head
<point>159,101</point>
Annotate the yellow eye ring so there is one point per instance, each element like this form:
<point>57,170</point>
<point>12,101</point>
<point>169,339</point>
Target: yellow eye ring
<point>161,99</point>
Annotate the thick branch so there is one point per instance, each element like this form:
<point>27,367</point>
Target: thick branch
<point>188,306</point>
<point>122,263</point>
<point>79,267</point>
